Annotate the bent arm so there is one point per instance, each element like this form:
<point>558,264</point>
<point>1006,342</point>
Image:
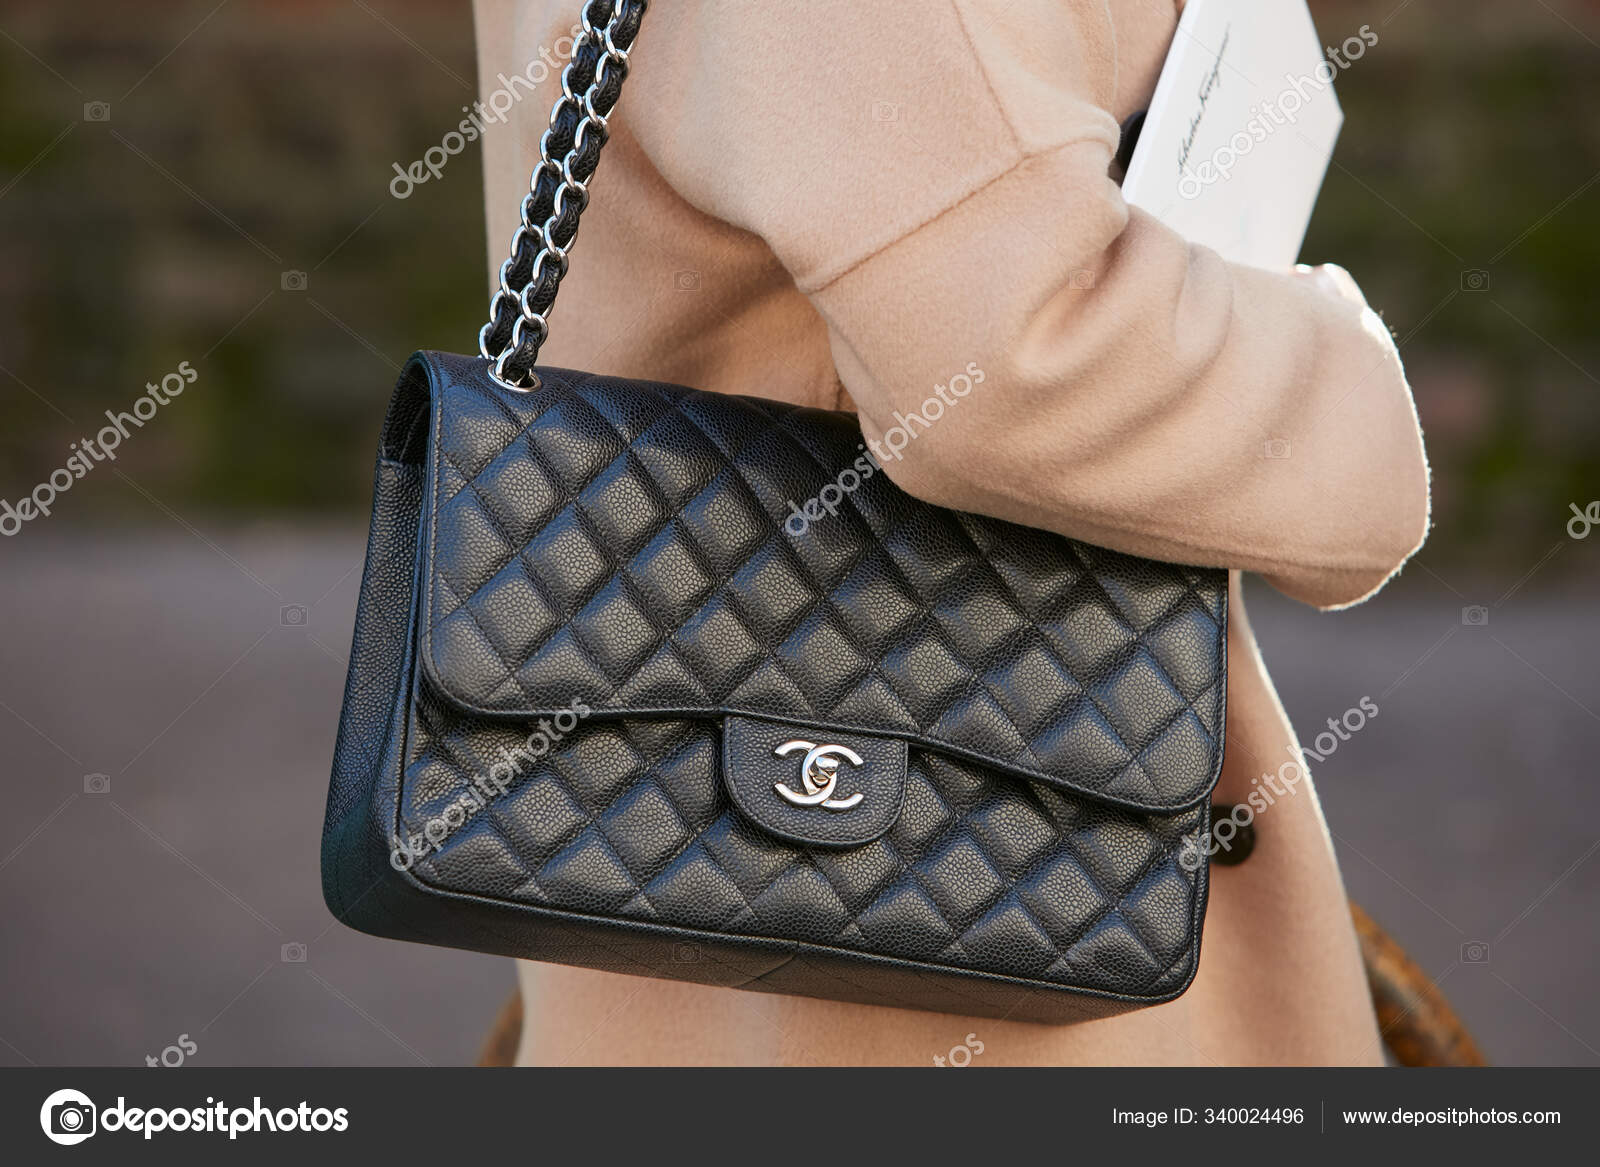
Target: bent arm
<point>944,201</point>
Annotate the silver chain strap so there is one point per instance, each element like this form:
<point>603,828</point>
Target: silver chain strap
<point>518,315</point>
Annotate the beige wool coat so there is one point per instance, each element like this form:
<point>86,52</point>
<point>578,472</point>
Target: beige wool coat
<point>839,204</point>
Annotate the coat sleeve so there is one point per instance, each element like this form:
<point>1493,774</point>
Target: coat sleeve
<point>1017,340</point>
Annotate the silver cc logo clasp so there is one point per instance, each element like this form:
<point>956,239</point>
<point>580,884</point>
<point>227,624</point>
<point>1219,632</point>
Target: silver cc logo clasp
<point>819,774</point>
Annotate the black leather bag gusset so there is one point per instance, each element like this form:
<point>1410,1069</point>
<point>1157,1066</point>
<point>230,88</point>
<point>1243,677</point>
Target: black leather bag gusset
<point>605,708</point>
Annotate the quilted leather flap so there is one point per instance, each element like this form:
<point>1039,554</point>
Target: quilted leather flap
<point>632,547</point>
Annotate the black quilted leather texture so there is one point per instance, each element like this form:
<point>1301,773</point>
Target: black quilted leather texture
<point>569,592</point>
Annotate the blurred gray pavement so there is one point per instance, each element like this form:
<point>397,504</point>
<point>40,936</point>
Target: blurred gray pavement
<point>178,664</point>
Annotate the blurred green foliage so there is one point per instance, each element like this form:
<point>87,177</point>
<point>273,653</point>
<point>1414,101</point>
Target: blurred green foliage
<point>1471,156</point>
<point>263,143</point>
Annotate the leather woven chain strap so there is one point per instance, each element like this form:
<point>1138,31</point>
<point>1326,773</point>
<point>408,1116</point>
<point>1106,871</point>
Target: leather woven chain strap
<point>558,192</point>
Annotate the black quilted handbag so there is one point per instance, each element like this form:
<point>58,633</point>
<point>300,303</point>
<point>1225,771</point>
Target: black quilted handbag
<point>606,707</point>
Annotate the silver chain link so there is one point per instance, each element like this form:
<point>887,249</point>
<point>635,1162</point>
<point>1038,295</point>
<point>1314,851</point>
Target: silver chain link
<point>531,327</point>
